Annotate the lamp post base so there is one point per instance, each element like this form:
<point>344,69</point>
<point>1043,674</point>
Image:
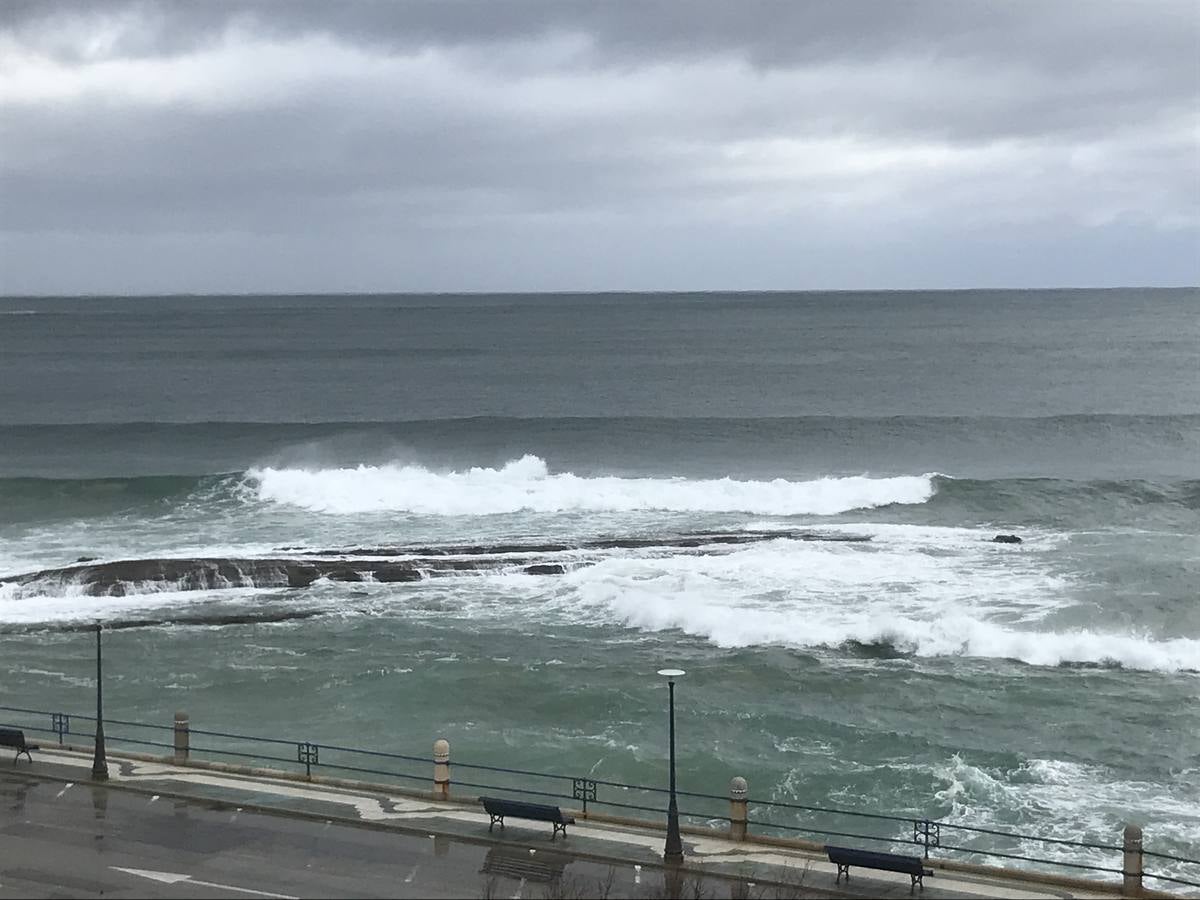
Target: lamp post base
<point>673,881</point>
<point>99,760</point>
<point>673,851</point>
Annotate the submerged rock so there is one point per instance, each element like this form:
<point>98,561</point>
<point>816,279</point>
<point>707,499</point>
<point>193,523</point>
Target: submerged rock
<point>301,576</point>
<point>117,578</point>
<point>391,573</point>
<point>343,573</point>
<point>130,576</point>
<point>1006,539</point>
<point>545,569</point>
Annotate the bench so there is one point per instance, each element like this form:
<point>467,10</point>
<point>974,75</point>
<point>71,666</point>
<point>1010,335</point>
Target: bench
<point>845,857</point>
<point>12,737</point>
<point>498,808</point>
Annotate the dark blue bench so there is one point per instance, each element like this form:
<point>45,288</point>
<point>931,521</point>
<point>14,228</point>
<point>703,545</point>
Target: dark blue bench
<point>12,737</point>
<point>845,857</point>
<point>498,808</point>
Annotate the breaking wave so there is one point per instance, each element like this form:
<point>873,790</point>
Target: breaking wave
<point>953,598</point>
<point>959,635</point>
<point>526,484</point>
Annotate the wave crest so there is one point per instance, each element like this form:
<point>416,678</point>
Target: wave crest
<point>527,485</point>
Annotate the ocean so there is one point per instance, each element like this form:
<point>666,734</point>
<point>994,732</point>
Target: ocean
<point>316,516</point>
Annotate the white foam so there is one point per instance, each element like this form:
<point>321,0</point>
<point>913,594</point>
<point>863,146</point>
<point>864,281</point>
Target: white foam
<point>973,602</point>
<point>71,603</point>
<point>1095,799</point>
<point>526,484</point>
<point>54,549</point>
<point>930,536</point>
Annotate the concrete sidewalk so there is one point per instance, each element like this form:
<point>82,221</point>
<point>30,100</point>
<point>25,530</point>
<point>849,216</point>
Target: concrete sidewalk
<point>748,868</point>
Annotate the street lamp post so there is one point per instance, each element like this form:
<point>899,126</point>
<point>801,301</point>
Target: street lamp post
<point>99,763</point>
<point>673,852</point>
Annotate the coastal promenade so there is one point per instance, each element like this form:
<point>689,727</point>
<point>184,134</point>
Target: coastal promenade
<point>155,828</point>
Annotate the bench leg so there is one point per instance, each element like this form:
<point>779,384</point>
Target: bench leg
<point>842,870</point>
<point>557,829</point>
<point>495,820</point>
<point>27,756</point>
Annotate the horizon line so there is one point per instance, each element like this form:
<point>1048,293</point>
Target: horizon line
<point>580,292</point>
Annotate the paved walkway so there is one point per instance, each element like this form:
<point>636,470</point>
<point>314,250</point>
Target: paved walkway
<point>626,859</point>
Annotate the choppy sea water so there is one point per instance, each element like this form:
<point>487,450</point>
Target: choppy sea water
<point>792,497</point>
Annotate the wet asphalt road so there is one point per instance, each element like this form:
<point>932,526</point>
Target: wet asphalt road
<point>90,841</point>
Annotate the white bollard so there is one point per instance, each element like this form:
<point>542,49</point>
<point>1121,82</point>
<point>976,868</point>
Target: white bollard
<point>737,808</point>
<point>182,738</point>
<point>1131,885</point>
<point>441,769</point>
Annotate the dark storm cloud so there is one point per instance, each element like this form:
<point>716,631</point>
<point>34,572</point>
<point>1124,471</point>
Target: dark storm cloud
<point>1060,35</point>
<point>445,125</point>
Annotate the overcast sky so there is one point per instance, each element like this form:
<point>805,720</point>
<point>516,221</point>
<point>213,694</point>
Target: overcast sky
<point>409,146</point>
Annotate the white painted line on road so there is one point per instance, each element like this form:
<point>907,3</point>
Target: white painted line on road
<point>637,874</point>
<point>175,878</point>
<point>411,875</point>
<point>520,888</point>
<point>70,784</point>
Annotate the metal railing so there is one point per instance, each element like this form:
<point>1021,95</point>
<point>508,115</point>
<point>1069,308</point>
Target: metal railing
<point>767,817</point>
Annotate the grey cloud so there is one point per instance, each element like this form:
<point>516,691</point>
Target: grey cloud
<point>1073,65</point>
<point>1064,119</point>
<point>1052,37</point>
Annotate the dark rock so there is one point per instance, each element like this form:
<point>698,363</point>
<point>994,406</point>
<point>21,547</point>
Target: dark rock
<point>545,569</point>
<point>389,574</point>
<point>343,573</point>
<point>1006,539</point>
<point>301,576</point>
<point>116,578</point>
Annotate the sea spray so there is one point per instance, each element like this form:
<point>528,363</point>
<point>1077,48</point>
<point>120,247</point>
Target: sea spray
<point>526,484</point>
